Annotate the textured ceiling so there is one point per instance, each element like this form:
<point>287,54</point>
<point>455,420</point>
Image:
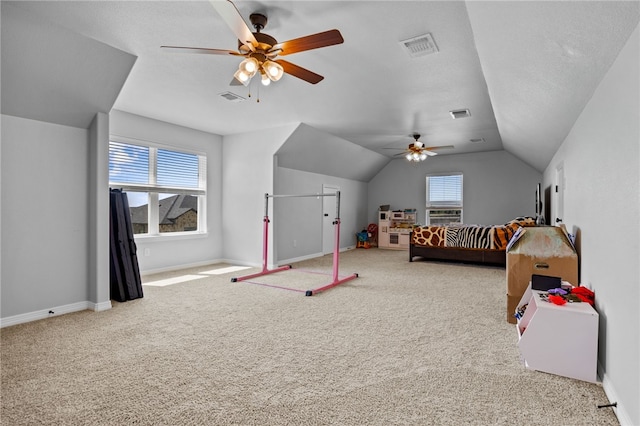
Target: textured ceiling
<point>524,69</point>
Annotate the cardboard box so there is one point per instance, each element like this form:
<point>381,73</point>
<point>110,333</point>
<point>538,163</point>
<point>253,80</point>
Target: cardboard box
<point>542,250</point>
<point>512,304</point>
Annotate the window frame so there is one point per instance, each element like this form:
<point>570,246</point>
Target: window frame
<point>152,189</point>
<point>446,205</point>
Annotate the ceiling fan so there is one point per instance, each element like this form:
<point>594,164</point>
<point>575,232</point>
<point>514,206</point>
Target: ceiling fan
<point>260,50</point>
<point>416,151</point>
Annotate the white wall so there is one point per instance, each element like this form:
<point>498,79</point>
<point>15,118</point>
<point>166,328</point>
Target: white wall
<point>301,219</point>
<point>497,186</point>
<point>601,159</point>
<point>248,174</point>
<point>45,216</point>
<point>170,252</point>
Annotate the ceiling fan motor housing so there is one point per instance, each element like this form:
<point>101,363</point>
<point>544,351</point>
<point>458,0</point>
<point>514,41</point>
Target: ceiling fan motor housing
<point>265,42</point>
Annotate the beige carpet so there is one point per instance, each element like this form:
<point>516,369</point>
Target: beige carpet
<point>404,344</point>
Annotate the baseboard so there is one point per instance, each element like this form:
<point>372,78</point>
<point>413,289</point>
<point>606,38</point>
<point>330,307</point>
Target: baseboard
<point>311,256</point>
<point>179,267</point>
<point>237,262</point>
<point>54,312</point>
<point>623,416</point>
<point>102,306</point>
<point>300,259</point>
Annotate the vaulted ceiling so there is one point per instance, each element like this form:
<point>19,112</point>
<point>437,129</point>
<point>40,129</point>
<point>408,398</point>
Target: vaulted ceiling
<point>523,69</point>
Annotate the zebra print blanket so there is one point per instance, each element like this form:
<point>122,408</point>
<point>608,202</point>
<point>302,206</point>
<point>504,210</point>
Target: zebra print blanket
<point>469,236</point>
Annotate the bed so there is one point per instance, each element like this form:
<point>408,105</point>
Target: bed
<point>465,243</point>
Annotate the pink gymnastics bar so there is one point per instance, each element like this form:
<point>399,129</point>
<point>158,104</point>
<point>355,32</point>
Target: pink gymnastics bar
<point>265,243</point>
<point>336,248</point>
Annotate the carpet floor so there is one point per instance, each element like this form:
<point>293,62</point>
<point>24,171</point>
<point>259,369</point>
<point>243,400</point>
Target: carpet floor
<point>421,343</point>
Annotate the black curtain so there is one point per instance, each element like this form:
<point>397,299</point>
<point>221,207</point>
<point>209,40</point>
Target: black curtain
<point>124,271</point>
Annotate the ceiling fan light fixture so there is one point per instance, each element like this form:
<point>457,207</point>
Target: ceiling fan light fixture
<point>273,69</point>
<point>249,66</point>
<point>242,77</point>
<point>265,79</point>
<point>423,156</point>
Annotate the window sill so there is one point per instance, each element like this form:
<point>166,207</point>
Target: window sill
<point>170,237</point>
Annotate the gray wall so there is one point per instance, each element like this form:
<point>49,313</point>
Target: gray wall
<point>248,174</point>
<point>300,219</point>
<point>45,217</point>
<point>170,252</point>
<point>497,186</point>
<point>601,161</point>
<point>98,209</point>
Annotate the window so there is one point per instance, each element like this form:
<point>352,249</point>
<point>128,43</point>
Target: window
<point>444,199</point>
<point>166,188</point>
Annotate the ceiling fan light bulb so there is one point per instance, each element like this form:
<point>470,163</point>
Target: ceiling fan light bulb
<point>242,77</point>
<point>415,156</point>
<point>249,66</point>
<point>423,156</point>
<point>274,70</point>
<point>409,157</point>
<point>265,80</point>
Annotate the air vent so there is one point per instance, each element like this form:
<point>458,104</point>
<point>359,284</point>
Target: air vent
<point>420,45</point>
<point>477,140</point>
<point>231,97</point>
<point>461,113</point>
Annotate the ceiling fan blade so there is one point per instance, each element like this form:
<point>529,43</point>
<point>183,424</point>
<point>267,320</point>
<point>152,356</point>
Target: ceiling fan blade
<point>429,153</point>
<point>181,49</point>
<point>233,19</point>
<point>301,73</point>
<point>440,147</point>
<point>313,41</point>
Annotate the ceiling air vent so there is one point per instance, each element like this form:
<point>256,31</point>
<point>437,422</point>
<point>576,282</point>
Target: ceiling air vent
<point>460,113</point>
<point>231,97</point>
<point>420,45</point>
<point>477,140</point>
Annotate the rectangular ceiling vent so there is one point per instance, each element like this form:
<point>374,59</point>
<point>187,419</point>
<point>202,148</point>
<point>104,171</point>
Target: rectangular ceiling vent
<point>231,97</point>
<point>420,45</point>
<point>460,113</point>
<point>477,140</point>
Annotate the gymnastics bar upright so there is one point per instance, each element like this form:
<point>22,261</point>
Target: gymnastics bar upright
<point>336,248</point>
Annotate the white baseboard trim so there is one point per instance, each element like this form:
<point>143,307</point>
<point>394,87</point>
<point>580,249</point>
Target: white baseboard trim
<point>623,416</point>
<point>300,259</point>
<point>236,262</point>
<point>54,312</point>
<point>178,267</point>
<point>311,256</point>
<point>242,263</point>
<point>102,306</point>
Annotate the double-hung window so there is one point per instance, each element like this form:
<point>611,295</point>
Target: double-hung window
<point>444,199</point>
<point>166,188</point>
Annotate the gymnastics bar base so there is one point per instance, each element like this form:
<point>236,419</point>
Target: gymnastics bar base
<point>261,273</point>
<point>333,284</point>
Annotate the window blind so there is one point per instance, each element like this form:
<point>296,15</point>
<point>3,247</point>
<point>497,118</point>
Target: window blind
<point>444,190</point>
<point>177,169</point>
<point>141,168</point>
<point>128,163</point>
